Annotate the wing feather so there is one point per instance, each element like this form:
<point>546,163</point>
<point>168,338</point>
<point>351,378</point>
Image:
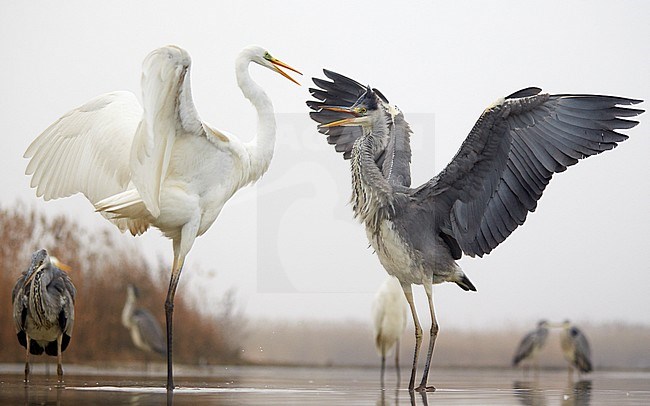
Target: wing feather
<point>86,151</point>
<point>504,165</point>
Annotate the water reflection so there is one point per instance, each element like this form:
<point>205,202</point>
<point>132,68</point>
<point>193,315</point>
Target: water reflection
<point>574,394</point>
<point>529,393</point>
<point>578,394</point>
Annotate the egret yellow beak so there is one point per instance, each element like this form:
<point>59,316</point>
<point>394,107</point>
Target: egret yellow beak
<point>278,63</point>
<point>60,264</point>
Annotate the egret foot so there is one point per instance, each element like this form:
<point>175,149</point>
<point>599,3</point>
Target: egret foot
<point>425,389</point>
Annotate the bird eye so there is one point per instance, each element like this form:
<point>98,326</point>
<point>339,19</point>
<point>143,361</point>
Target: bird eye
<point>363,110</point>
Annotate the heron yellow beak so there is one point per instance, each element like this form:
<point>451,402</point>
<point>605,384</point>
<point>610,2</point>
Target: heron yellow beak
<point>278,63</point>
<point>356,120</point>
<point>60,264</point>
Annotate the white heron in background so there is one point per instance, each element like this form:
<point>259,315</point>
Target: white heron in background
<point>531,345</point>
<point>485,192</point>
<point>157,164</point>
<point>389,309</point>
<point>43,309</point>
<point>143,327</point>
<point>575,348</point>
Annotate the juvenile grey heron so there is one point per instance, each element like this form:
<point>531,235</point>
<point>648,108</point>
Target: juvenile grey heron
<point>531,345</point>
<point>484,193</point>
<point>575,348</point>
<point>43,309</point>
<point>157,164</point>
<point>145,331</point>
<point>389,321</point>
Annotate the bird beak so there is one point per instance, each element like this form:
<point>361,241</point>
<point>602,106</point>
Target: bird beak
<point>60,264</point>
<point>351,121</point>
<point>278,63</point>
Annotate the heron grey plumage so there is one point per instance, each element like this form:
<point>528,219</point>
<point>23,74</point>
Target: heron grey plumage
<point>531,345</point>
<point>43,309</point>
<point>480,198</point>
<point>143,327</point>
<point>575,348</point>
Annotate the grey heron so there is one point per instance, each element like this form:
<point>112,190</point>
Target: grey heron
<point>531,345</point>
<point>484,193</point>
<point>157,164</point>
<point>43,309</point>
<point>143,327</point>
<point>389,321</point>
<point>575,348</point>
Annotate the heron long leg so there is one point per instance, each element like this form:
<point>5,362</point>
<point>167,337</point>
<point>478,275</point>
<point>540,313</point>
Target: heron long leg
<point>27,358</point>
<point>408,293</point>
<point>59,358</point>
<point>432,341</point>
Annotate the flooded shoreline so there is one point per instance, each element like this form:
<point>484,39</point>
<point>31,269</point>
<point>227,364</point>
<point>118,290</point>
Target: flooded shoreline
<point>301,385</point>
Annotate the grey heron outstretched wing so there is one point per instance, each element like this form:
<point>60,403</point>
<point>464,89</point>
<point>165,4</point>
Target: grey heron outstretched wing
<point>342,91</point>
<point>510,155</point>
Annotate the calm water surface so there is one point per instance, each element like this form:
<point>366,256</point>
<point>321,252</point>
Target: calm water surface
<point>318,386</point>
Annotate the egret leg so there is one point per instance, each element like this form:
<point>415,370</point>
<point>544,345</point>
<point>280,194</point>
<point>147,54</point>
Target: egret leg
<point>397,361</point>
<point>383,367</point>
<point>169,312</point>
<point>408,293</point>
<point>27,359</point>
<point>59,358</point>
<point>433,333</point>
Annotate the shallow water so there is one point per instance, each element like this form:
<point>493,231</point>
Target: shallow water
<point>327,386</point>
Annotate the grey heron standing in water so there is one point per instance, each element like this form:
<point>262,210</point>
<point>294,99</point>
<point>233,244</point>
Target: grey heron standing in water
<point>484,193</point>
<point>157,164</point>
<point>531,345</point>
<point>389,321</point>
<point>145,331</point>
<point>575,348</point>
<point>43,309</point>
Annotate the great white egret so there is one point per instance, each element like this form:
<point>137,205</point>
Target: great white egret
<point>389,321</point>
<point>43,309</point>
<point>143,327</point>
<point>575,348</point>
<point>157,164</point>
<point>484,193</point>
<point>531,345</point>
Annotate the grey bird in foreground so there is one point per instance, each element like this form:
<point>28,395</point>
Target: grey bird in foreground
<point>531,345</point>
<point>484,193</point>
<point>575,348</point>
<point>43,309</point>
<point>143,326</point>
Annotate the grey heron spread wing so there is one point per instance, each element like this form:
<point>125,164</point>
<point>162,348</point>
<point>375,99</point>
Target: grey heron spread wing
<point>43,309</point>
<point>394,158</point>
<point>484,193</point>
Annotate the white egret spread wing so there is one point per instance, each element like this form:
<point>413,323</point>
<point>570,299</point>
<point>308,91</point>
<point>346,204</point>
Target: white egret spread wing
<point>87,150</point>
<point>509,157</point>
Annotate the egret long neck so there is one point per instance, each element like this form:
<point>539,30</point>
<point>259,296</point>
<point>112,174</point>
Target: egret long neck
<point>261,147</point>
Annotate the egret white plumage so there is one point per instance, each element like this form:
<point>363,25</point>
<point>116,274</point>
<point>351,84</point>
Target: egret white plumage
<point>531,344</point>
<point>43,309</point>
<point>575,348</point>
<point>143,327</point>
<point>479,199</point>
<point>389,320</point>
<point>157,164</point>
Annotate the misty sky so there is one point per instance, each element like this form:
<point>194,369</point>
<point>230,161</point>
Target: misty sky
<point>289,245</point>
